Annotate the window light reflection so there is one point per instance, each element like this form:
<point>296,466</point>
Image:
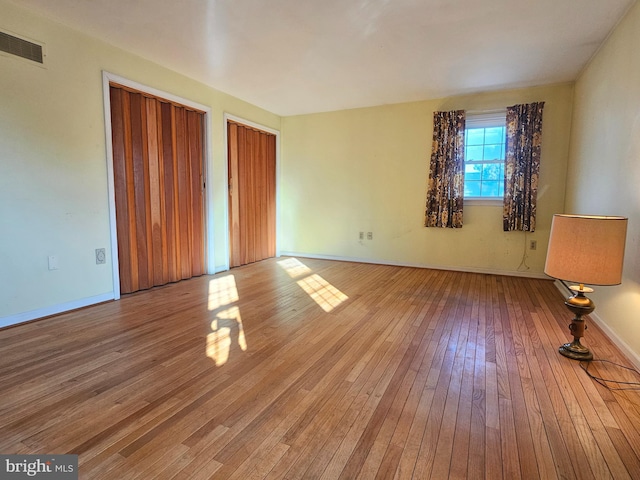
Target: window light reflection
<point>322,292</point>
<point>222,292</point>
<point>219,344</point>
<point>226,328</point>
<point>294,267</point>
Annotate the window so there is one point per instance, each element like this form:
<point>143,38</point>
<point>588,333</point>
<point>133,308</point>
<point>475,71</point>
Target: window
<point>484,153</point>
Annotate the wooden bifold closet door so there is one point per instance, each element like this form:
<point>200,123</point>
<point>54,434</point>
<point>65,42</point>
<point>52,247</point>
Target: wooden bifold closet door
<point>158,153</point>
<point>252,194</point>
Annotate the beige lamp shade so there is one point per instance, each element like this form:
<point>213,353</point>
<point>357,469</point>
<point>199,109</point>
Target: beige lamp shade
<point>586,249</point>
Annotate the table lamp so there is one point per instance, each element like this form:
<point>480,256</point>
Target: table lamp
<point>584,249</point>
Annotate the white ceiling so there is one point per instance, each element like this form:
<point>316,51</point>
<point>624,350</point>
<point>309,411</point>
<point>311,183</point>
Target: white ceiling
<point>301,56</point>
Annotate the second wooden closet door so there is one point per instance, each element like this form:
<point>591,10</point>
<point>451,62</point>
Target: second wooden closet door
<point>252,194</point>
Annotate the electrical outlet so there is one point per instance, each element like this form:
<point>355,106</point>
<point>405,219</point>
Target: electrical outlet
<point>361,236</point>
<point>369,235</point>
<point>101,256</point>
<point>53,262</point>
<point>533,244</point>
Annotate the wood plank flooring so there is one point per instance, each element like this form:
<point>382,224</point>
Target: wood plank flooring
<point>304,368</point>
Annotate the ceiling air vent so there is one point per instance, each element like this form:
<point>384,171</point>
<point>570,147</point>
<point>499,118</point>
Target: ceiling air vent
<point>21,48</point>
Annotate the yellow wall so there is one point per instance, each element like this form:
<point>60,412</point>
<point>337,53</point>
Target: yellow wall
<point>53,167</point>
<point>605,167</point>
<point>366,170</point>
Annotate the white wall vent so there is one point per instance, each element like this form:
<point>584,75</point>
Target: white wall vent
<point>21,47</point>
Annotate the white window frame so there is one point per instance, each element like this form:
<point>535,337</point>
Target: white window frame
<point>494,118</point>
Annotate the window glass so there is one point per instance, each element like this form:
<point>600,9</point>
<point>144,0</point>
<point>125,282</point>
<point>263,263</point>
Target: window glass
<point>492,152</point>
<point>484,156</point>
<point>475,137</point>
<point>474,154</point>
<point>472,172</point>
<point>471,188</point>
<point>491,171</point>
<point>494,135</point>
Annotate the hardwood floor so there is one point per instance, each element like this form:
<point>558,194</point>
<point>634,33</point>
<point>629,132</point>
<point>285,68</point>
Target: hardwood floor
<point>301,368</point>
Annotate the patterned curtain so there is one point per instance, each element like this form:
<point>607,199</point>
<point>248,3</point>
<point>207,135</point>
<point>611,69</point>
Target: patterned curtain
<point>446,172</point>
<point>522,166</point>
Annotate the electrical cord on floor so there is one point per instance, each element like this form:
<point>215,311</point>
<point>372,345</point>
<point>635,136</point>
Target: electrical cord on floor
<point>604,381</point>
<point>523,262</point>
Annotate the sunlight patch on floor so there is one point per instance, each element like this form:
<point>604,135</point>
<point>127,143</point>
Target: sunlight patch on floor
<point>294,267</point>
<point>226,328</point>
<point>222,291</point>
<point>322,292</point>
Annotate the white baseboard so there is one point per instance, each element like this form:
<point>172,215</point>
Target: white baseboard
<point>509,273</point>
<point>612,335</point>
<point>54,309</point>
<point>618,342</point>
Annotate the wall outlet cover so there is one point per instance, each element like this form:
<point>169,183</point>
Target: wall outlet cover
<point>101,256</point>
<point>53,262</point>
